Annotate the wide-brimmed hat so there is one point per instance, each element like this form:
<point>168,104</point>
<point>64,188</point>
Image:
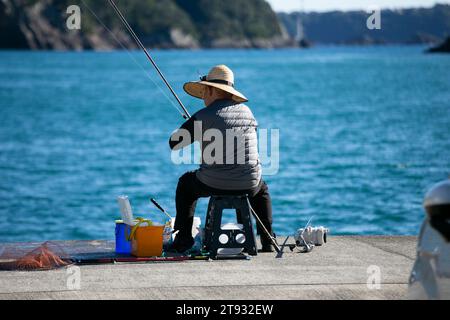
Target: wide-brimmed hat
<point>220,77</point>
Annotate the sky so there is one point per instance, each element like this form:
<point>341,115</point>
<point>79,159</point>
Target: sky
<point>345,5</point>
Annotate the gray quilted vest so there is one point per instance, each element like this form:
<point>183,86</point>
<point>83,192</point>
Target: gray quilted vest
<point>235,165</point>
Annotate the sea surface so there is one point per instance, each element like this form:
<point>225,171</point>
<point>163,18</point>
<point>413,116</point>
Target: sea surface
<point>363,133</point>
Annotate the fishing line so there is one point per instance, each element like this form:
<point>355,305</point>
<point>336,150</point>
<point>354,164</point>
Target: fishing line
<point>134,59</point>
<point>136,38</point>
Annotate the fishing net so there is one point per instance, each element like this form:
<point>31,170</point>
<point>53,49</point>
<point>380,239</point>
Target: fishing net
<point>46,256</point>
<point>35,256</point>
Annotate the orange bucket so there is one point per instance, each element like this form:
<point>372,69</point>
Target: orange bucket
<point>147,241</point>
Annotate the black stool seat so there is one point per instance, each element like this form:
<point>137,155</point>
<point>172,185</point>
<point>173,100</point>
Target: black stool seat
<point>215,236</point>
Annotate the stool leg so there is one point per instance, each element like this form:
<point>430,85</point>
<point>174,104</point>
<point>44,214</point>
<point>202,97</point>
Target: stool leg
<point>238,216</point>
<point>216,217</point>
<point>208,226</point>
<point>245,217</point>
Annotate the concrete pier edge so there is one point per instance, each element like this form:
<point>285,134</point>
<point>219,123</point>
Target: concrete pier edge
<point>347,267</point>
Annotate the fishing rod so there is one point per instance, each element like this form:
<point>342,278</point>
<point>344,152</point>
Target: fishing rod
<point>272,238</point>
<point>139,43</point>
<point>160,208</point>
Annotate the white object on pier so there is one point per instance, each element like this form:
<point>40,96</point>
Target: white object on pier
<point>125,210</point>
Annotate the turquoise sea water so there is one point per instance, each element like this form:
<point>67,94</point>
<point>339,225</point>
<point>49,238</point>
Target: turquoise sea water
<point>364,131</point>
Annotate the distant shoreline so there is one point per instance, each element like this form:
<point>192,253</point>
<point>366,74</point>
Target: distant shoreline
<point>216,26</point>
<point>316,46</point>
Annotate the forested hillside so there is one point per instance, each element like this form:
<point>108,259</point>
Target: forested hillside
<point>41,24</point>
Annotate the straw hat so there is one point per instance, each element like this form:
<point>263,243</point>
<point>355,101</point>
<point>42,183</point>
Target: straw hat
<point>220,77</point>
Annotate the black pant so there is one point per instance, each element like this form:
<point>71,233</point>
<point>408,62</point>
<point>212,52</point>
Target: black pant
<point>189,189</point>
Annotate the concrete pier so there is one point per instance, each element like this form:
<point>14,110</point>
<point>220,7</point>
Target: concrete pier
<point>338,270</point>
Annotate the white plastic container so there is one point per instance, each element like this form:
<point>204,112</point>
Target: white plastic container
<point>125,210</point>
<point>195,225</point>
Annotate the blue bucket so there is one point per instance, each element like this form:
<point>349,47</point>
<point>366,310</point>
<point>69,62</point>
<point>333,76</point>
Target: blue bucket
<point>123,246</point>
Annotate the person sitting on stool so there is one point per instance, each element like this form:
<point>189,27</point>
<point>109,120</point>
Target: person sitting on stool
<point>227,168</point>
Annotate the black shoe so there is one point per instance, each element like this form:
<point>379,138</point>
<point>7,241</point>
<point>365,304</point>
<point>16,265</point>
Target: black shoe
<point>268,248</point>
<point>181,244</point>
<point>266,243</point>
